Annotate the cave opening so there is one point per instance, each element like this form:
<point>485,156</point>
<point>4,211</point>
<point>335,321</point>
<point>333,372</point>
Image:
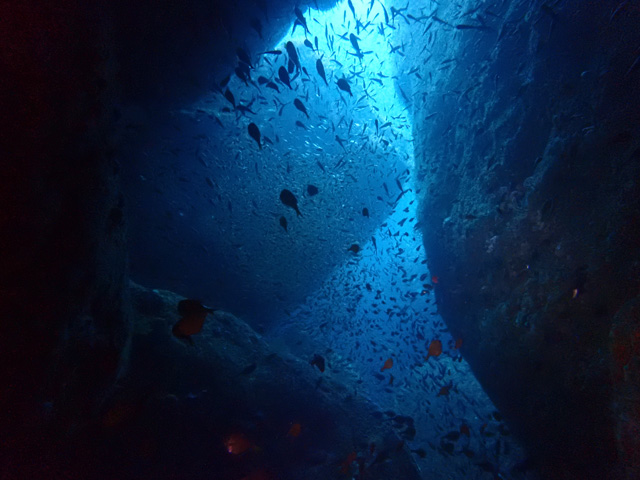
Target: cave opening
<point>326,112</point>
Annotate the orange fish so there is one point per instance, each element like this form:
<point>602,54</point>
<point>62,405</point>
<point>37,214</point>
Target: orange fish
<point>193,314</point>
<point>444,391</point>
<point>237,443</point>
<point>435,349</point>
<point>346,465</point>
<point>434,279</point>
<point>387,365</point>
<point>458,344</point>
<point>295,430</point>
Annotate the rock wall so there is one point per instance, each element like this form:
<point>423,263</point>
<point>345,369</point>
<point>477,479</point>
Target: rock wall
<point>529,160</point>
<point>63,268</point>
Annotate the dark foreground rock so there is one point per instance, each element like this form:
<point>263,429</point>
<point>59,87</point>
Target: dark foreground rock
<point>181,408</point>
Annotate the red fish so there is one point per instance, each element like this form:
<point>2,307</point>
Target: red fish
<point>444,391</point>
<point>387,365</point>
<point>346,465</point>
<point>458,344</point>
<point>193,314</point>
<point>435,349</point>
<point>295,430</point>
<point>237,444</point>
<point>434,279</point>
<point>464,430</point>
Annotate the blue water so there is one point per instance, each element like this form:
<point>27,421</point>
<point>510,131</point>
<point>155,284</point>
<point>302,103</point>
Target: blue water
<point>209,222</point>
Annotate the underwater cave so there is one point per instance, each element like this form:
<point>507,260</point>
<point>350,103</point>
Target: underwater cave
<point>354,239</point>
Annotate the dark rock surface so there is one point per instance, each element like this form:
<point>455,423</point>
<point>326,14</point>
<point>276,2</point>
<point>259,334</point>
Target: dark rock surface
<point>63,267</point>
<point>178,405</point>
<point>531,222</point>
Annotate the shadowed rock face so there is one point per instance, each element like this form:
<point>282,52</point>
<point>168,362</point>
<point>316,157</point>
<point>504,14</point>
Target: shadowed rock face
<point>63,267</point>
<point>530,213</point>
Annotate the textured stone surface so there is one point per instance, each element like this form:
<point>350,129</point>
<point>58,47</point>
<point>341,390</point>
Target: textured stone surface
<point>231,382</point>
<point>63,301</point>
<point>530,212</point>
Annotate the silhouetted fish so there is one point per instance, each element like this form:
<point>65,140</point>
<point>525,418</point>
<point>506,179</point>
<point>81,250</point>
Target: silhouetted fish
<point>283,223</point>
<point>284,76</point>
<point>320,69</point>
<point>290,200</point>
<point>300,106</point>
<point>312,190</point>
<point>344,86</point>
<point>354,43</point>
<point>254,132</point>
<point>244,56</point>
<point>318,361</point>
<point>301,19</point>
<point>365,212</point>
<point>193,314</point>
<point>229,96</point>
<point>355,248</point>
<point>293,54</point>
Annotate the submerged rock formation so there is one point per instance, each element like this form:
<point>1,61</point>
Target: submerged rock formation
<point>530,164</point>
<point>63,267</point>
<point>228,407</point>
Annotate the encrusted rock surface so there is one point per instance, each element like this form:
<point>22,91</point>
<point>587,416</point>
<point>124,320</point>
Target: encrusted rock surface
<point>531,221</point>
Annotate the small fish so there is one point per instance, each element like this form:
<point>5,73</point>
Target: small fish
<point>464,430</point>
<point>295,430</point>
<point>254,132</point>
<point>353,10</point>
<point>283,223</point>
<point>293,54</point>
<point>229,96</point>
<point>262,80</point>
<point>346,464</point>
<point>283,75</point>
<point>272,52</point>
<point>312,190</point>
<point>237,444</point>
<point>355,248</point>
<point>387,365</point>
<point>444,391</point>
<point>290,200</point>
<point>320,69</point>
<point>356,47</point>
<point>365,212</point>
<point>192,316</point>
<point>435,349</point>
<point>300,18</point>
<point>300,106</point>
<point>273,86</point>
<point>243,56</point>
<point>344,86</point>
<point>307,43</point>
<point>458,344</point>
<point>318,361</point>
<point>301,125</point>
